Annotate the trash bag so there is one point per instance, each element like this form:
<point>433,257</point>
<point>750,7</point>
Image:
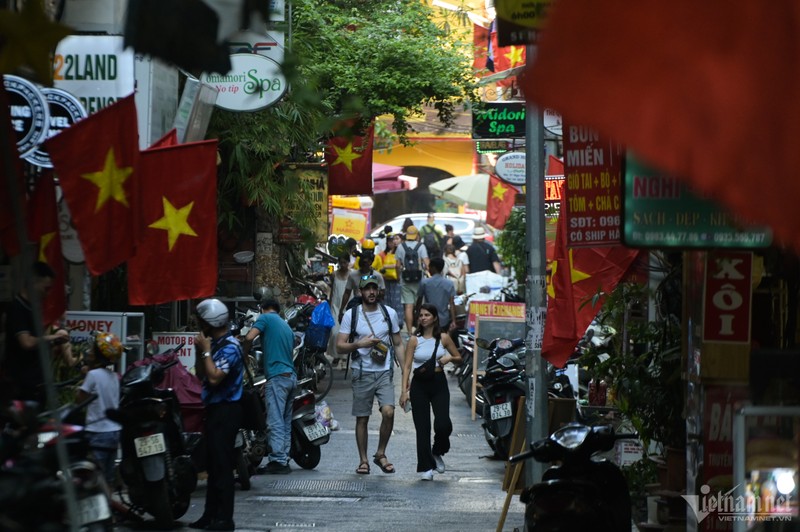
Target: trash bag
<point>322,316</point>
<point>325,416</point>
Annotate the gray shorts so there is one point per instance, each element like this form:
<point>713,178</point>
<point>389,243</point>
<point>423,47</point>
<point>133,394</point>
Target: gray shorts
<point>367,386</point>
<point>408,293</point>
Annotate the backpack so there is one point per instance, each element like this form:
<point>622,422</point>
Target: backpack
<point>411,271</point>
<point>434,242</point>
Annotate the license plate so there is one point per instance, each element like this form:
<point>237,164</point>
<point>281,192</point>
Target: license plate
<point>315,431</point>
<point>500,411</point>
<point>149,445</point>
<point>93,509</point>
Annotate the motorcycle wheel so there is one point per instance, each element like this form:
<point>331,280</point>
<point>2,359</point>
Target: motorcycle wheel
<point>158,505</point>
<point>308,456</point>
<point>242,470</point>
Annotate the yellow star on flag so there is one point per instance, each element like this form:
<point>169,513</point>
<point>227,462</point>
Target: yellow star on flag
<point>345,156</point>
<point>43,243</point>
<point>514,55</point>
<point>174,221</point>
<point>110,181</point>
<point>28,39</point>
<point>499,191</point>
<point>575,275</point>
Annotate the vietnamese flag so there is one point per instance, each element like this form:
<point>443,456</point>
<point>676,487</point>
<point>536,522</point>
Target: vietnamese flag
<point>170,138</point>
<point>689,86</point>
<point>96,162</point>
<point>578,279</point>
<point>350,164</point>
<point>480,49</point>
<point>499,202</point>
<point>176,257</point>
<point>43,231</point>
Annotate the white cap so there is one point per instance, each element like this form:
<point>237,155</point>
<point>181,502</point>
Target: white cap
<point>213,311</point>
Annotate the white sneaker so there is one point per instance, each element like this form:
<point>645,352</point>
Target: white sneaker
<point>439,463</point>
<point>426,475</point>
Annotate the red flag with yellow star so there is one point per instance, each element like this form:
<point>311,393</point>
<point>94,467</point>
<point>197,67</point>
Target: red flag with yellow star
<point>96,162</point>
<point>176,257</point>
<point>499,202</point>
<point>577,281</point>
<point>350,164</point>
<point>43,231</point>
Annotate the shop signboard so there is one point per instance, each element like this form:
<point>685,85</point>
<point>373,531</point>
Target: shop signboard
<point>255,82</point>
<point>172,340</point>
<point>727,299</point>
<point>316,177</point>
<point>498,120</point>
<point>518,21</point>
<point>493,309</point>
<point>350,223</point>
<point>30,115</point>
<point>64,109</point>
<point>659,211</point>
<point>593,167</point>
<point>510,167</point>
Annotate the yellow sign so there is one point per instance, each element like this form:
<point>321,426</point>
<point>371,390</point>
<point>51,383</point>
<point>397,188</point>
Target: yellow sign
<point>317,177</point>
<point>349,223</point>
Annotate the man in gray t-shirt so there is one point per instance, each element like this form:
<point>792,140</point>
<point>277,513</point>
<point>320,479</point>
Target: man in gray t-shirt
<point>439,292</point>
<point>408,288</point>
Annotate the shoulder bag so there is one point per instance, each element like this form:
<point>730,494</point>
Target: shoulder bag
<point>427,369</point>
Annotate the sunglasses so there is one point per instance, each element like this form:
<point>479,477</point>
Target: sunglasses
<point>368,277</point>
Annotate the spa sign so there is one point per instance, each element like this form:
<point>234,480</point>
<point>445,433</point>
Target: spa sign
<point>254,82</point>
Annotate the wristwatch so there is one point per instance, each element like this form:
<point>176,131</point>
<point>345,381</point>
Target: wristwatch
<point>207,354</point>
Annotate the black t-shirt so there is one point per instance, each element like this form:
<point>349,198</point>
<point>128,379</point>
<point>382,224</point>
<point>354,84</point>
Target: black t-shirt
<point>21,366</point>
<point>482,256</point>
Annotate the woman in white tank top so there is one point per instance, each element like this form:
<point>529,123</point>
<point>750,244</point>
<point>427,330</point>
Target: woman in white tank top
<point>433,394</point>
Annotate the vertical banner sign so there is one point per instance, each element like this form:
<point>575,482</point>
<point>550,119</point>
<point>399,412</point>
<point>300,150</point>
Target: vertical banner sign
<point>593,168</point>
<point>317,178</point>
<point>519,20</point>
<point>727,299</point>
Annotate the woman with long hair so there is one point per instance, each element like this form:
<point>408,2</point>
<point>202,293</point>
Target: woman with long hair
<point>429,393</point>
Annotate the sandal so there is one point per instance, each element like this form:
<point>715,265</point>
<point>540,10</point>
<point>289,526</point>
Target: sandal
<point>386,466</point>
<point>363,468</point>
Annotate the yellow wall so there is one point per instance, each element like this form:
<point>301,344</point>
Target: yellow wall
<point>454,157</point>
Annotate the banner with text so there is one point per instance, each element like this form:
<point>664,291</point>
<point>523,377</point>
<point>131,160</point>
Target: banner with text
<point>493,309</point>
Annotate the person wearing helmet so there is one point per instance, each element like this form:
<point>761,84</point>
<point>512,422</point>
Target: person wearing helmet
<point>220,364</point>
<point>102,379</point>
<point>369,250</point>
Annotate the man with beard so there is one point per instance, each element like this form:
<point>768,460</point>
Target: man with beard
<point>370,332</point>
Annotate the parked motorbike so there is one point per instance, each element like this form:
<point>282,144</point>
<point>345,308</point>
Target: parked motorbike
<point>581,493</point>
<point>156,464</point>
<point>31,473</point>
<point>503,384</point>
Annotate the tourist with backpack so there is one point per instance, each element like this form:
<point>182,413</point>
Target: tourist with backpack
<point>433,237</point>
<point>482,255</point>
<point>412,262</point>
<point>366,257</point>
<point>370,333</point>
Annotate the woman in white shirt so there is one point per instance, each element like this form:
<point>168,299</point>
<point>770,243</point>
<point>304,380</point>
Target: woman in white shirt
<point>431,393</point>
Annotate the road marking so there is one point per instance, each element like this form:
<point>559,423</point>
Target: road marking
<point>286,498</point>
<point>476,480</point>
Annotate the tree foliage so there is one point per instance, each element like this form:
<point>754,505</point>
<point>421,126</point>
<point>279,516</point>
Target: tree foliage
<point>345,59</point>
<point>511,245</point>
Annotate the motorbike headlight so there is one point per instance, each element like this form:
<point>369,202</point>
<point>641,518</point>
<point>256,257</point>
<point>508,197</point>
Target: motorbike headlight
<point>571,437</point>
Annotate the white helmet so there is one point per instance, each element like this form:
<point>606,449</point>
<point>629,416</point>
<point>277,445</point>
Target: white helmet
<point>213,311</point>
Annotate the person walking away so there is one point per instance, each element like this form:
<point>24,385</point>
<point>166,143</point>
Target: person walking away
<point>365,269</point>
<point>370,333</point>
<point>461,253</point>
<point>219,363</point>
<point>277,341</point>
<point>390,276</point>
<point>429,394</point>
<point>22,369</point>
<point>412,262</point>
<point>439,292</point>
<point>482,255</point>
<point>337,301</point>
<point>432,236</point>
<point>453,269</point>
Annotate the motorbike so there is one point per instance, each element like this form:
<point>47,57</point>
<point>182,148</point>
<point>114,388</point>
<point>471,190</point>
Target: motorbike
<point>156,463</point>
<point>307,434</point>
<point>581,493</point>
<point>502,384</point>
<point>31,473</point>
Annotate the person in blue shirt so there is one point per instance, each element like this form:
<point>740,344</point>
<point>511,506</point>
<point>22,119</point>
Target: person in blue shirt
<point>277,341</point>
<point>220,365</point>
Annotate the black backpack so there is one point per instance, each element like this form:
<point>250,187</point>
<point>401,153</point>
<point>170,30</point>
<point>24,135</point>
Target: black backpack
<point>411,271</point>
<point>434,242</point>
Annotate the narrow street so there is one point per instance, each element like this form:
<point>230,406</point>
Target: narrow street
<point>467,497</point>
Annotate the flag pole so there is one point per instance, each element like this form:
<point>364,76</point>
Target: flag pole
<point>536,410</point>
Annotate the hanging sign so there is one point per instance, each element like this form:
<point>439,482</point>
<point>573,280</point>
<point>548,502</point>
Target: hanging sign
<point>29,113</point>
<point>510,167</point>
<point>727,300</point>
<point>255,82</point>
<point>65,109</point>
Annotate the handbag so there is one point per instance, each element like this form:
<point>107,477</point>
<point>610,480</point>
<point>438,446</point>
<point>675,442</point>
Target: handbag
<point>427,369</point>
<point>380,351</point>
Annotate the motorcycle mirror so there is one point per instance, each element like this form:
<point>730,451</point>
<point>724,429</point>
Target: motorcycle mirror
<point>483,343</point>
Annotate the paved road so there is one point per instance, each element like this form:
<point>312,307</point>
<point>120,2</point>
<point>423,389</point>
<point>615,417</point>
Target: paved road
<point>467,497</point>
